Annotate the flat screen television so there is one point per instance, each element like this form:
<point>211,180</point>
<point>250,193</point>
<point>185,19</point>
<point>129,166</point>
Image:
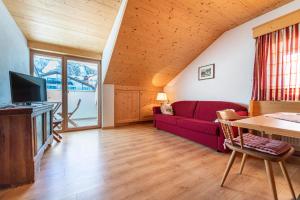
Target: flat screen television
<point>27,89</point>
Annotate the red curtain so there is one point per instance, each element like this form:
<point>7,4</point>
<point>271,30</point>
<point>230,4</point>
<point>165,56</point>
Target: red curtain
<point>277,66</point>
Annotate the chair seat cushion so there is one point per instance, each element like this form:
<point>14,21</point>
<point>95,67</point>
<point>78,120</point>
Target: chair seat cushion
<point>169,119</point>
<point>199,125</point>
<point>266,145</point>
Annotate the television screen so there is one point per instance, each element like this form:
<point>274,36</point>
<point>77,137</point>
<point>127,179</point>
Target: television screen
<point>26,88</point>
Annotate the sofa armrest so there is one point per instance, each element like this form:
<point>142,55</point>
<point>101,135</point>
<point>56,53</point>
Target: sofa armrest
<point>156,110</point>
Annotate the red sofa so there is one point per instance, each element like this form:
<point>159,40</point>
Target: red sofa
<point>195,120</point>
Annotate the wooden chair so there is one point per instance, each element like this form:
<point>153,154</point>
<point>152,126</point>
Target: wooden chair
<point>238,146</point>
<point>56,136</point>
<point>231,115</point>
<point>70,114</point>
<point>56,107</point>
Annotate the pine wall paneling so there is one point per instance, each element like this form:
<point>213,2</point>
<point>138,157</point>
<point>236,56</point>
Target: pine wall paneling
<point>158,39</point>
<point>134,104</point>
<point>80,24</point>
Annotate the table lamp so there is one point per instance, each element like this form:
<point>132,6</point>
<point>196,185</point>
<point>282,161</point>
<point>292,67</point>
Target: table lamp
<point>162,97</point>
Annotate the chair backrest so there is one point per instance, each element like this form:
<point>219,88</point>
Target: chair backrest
<point>228,114</point>
<point>76,108</point>
<point>225,117</point>
<point>56,107</point>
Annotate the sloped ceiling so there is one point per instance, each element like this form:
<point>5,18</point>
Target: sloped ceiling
<point>78,24</point>
<point>159,38</point>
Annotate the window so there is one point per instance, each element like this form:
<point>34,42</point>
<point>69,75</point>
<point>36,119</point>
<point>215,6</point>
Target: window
<point>82,76</point>
<point>277,66</point>
<point>49,68</point>
<point>285,70</point>
<point>71,86</point>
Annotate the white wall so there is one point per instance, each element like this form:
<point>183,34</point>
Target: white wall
<point>108,105</point>
<point>112,38</point>
<point>233,54</point>
<point>108,89</point>
<point>14,53</point>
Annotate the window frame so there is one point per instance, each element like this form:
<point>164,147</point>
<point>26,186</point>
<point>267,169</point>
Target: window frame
<point>65,58</point>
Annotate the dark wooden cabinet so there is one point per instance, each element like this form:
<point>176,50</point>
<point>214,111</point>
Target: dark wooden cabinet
<point>48,120</point>
<point>25,133</point>
<point>39,131</point>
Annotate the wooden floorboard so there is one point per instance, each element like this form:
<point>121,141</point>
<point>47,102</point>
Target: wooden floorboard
<point>140,162</point>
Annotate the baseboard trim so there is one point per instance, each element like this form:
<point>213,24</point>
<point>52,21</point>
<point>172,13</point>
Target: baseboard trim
<point>133,123</point>
<point>108,127</point>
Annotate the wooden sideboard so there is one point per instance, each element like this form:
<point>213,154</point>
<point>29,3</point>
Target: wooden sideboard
<point>25,133</point>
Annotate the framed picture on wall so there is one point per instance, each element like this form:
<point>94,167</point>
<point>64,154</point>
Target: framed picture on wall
<point>206,72</point>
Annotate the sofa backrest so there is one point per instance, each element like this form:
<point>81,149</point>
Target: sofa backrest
<point>184,108</point>
<point>206,110</point>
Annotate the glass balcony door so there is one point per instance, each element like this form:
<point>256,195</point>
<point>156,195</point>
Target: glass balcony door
<point>49,67</point>
<point>73,88</point>
<point>82,94</point>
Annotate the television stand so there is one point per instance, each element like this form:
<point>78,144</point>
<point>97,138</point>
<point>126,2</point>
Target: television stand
<point>25,133</point>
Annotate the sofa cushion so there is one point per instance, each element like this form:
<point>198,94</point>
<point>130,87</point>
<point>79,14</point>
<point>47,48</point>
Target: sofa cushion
<point>166,109</point>
<point>184,108</point>
<point>199,125</point>
<point>169,119</point>
<point>206,110</point>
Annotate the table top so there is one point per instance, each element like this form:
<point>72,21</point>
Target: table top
<point>270,126</point>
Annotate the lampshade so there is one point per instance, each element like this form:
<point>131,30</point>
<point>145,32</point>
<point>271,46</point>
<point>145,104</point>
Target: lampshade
<point>161,96</point>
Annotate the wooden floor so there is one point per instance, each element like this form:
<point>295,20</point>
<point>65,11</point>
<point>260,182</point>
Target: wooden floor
<point>140,162</point>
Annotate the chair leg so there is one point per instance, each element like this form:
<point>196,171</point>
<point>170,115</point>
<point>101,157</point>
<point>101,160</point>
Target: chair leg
<point>228,167</point>
<point>270,175</point>
<point>56,133</point>
<point>287,178</point>
<point>56,138</point>
<point>243,163</point>
<point>72,122</point>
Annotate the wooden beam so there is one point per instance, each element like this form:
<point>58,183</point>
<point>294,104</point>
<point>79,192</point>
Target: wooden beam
<point>52,48</point>
<point>276,24</point>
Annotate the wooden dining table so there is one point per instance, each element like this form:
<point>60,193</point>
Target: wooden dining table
<point>270,125</point>
<point>267,124</point>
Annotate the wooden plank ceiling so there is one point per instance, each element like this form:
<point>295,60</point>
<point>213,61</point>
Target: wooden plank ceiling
<point>158,39</point>
<point>77,24</point>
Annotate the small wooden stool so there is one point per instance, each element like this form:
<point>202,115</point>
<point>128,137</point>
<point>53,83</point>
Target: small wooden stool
<point>57,137</point>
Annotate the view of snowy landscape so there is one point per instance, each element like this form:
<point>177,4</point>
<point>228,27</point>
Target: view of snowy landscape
<point>82,76</point>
